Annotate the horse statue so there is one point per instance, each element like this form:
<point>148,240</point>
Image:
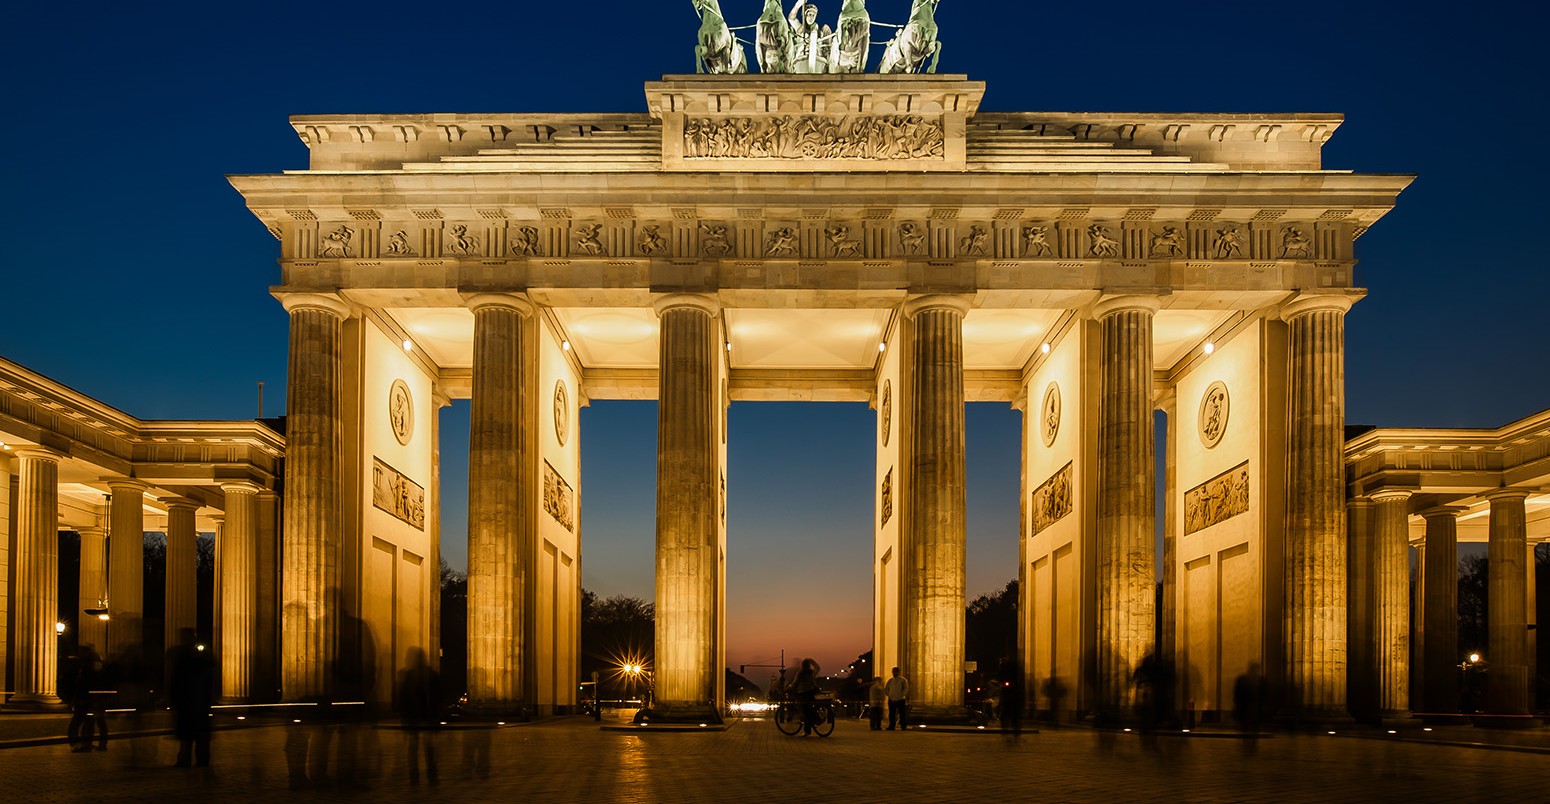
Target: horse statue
<point>718,50</point>
<point>852,37</point>
<point>775,43</point>
<point>909,48</point>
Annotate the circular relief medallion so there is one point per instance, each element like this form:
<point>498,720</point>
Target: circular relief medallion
<point>401,411</point>
<point>1213,414</point>
<point>1049,414</point>
<point>887,409</point>
<point>561,412</point>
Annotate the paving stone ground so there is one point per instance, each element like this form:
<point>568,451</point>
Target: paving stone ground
<point>572,760</point>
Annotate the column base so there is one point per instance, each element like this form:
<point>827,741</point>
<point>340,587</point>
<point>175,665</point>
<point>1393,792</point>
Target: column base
<point>28,702</point>
<point>497,711</point>
<point>933,715</point>
<point>669,712</point>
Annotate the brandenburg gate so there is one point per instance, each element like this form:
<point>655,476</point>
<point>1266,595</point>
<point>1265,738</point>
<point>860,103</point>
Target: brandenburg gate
<point>837,238</point>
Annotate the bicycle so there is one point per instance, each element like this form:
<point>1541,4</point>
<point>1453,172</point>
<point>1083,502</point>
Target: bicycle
<point>788,716</point>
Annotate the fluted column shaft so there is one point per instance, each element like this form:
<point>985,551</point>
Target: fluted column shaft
<point>182,609</point>
<point>1362,671</point>
<point>688,536</point>
<point>236,550</point>
<point>1315,568</point>
<point>1440,677</point>
<point>35,597</point>
<point>499,504</point>
<point>1509,687</point>
<point>312,544</point>
<point>126,565</point>
<point>1391,625</point>
<point>934,549</point>
<point>1168,615</point>
<point>1126,554</point>
<point>94,588</point>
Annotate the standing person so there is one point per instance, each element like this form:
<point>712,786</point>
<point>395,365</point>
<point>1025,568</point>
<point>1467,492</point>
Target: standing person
<point>86,710</point>
<point>1248,700</point>
<point>898,691</point>
<point>192,692</point>
<point>419,695</point>
<point>1011,698</point>
<point>875,699</point>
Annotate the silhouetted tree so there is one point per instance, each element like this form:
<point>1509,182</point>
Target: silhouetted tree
<point>990,632</point>
<point>454,631</point>
<point>1474,601</point>
<point>615,630</point>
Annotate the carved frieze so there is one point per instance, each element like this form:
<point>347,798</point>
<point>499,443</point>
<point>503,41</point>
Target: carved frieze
<point>887,503</point>
<point>559,500</point>
<point>1052,499</point>
<point>561,412</point>
<point>337,243</point>
<point>1213,414</point>
<point>884,137</point>
<point>781,242</point>
<point>1217,500</point>
<point>525,242</point>
<point>1049,414</point>
<point>1228,244</point>
<point>460,243</point>
<point>912,239</point>
<point>1100,243</point>
<point>1169,242</point>
<point>649,241</point>
<point>589,241</point>
<point>401,411</point>
<point>1295,244</point>
<point>1036,242</point>
<point>973,243</point>
<point>886,413</point>
<point>396,494</point>
<point>398,245</point>
<point>714,240</point>
<point>841,244</point>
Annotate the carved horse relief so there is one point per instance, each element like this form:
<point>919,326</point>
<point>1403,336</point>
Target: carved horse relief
<point>909,48</point>
<point>718,51</point>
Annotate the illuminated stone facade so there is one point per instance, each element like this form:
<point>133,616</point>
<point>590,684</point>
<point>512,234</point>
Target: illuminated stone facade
<point>717,248</point>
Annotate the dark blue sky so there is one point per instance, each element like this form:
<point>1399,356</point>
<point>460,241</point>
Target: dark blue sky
<point>132,271</point>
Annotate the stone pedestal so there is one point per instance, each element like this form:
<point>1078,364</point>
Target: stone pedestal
<point>500,504</point>
<point>94,589</point>
<point>1126,550</point>
<point>126,566</point>
<point>237,577</point>
<point>1315,547</point>
<point>1440,692</point>
<point>688,532</point>
<point>312,543</point>
<point>1509,691</point>
<point>182,609</point>
<point>35,597</point>
<point>1391,622</point>
<point>933,582</point>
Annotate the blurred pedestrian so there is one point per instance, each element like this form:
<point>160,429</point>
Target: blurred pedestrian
<point>419,696</point>
<point>191,690</point>
<point>1011,698</point>
<point>1248,701</point>
<point>898,691</point>
<point>85,697</point>
<point>875,701</point>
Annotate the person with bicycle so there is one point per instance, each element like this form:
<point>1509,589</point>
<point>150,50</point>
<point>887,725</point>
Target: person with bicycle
<point>804,690</point>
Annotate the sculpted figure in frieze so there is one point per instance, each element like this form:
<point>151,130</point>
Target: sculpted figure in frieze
<point>1036,242</point>
<point>398,244</point>
<point>1295,244</point>
<point>714,241</point>
<point>1099,242</point>
<point>524,242</point>
<point>973,244</point>
<point>840,244</point>
<point>781,243</point>
<point>810,53</point>
<point>336,243</point>
<point>650,242</point>
<point>1168,243</point>
<point>775,44</point>
<point>815,137</point>
<point>914,43</point>
<point>462,243</point>
<point>852,38</point>
<point>588,240</point>
<point>912,239</point>
<point>1228,243</point>
<point>718,51</point>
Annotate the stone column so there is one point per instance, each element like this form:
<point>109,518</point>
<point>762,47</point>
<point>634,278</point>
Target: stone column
<point>1127,532</point>
<point>439,400</point>
<point>500,503</point>
<point>1167,616</point>
<point>236,550</point>
<point>1531,611</point>
<point>1315,558</point>
<point>312,544</point>
<point>94,589</point>
<point>35,597</point>
<point>688,488</point>
<point>1440,657</point>
<point>182,609</point>
<point>1361,627</point>
<point>1418,630</point>
<point>1509,691</point>
<point>126,566</point>
<point>1391,622</point>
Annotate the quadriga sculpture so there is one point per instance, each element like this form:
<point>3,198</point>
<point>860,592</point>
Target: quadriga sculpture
<point>914,43</point>
<point>718,51</point>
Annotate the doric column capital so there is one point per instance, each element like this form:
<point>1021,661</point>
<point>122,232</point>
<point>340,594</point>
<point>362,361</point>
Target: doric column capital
<point>1314,302</point>
<point>1111,304</point>
<point>327,302</point>
<point>1386,495</point>
<point>92,531</point>
<point>1441,511</point>
<point>180,502</point>
<point>241,487</point>
<point>40,454</point>
<point>915,305</point>
<point>510,301</point>
<point>1507,494</point>
<point>701,301</point>
<point>126,485</point>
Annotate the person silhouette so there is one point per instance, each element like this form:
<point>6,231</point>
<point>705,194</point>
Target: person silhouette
<point>191,690</point>
<point>419,696</point>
